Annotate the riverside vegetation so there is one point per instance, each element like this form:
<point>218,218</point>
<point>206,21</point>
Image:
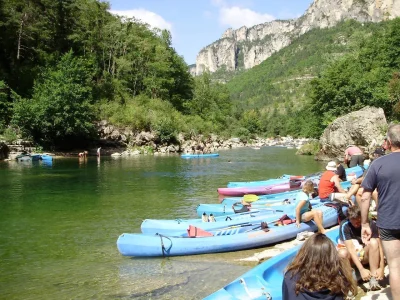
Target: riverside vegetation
<point>57,80</point>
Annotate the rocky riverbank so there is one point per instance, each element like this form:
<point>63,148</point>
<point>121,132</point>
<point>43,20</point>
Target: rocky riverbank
<point>116,142</point>
<point>365,128</point>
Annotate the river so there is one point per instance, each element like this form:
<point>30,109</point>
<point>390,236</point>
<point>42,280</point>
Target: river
<point>59,223</point>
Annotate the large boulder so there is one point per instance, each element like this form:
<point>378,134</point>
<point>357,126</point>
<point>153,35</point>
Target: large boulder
<point>365,128</point>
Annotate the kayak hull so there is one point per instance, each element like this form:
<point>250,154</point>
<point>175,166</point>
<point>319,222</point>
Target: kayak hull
<point>265,279</point>
<point>231,239</point>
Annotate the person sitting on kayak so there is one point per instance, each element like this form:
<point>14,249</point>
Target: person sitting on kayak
<point>317,272</point>
<point>329,187</point>
<point>303,210</point>
<point>351,246</point>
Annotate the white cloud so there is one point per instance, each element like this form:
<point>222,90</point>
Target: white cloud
<point>236,17</point>
<point>145,16</point>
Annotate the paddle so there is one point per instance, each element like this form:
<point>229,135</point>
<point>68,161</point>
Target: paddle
<point>250,198</point>
<point>246,224</point>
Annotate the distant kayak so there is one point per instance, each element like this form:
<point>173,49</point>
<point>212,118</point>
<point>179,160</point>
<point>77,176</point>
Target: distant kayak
<point>188,155</point>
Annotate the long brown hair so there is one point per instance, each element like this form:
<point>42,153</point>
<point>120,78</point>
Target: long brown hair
<point>317,266</point>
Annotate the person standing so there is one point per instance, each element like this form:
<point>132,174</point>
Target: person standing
<point>353,156</point>
<point>384,174</point>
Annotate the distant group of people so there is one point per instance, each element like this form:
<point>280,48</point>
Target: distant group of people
<point>322,271</point>
<point>84,154</point>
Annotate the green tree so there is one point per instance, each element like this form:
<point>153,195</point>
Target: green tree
<point>60,112</point>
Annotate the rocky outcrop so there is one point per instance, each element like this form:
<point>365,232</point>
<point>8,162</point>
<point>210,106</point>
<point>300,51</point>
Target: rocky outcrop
<point>247,47</point>
<point>124,142</point>
<point>365,128</point>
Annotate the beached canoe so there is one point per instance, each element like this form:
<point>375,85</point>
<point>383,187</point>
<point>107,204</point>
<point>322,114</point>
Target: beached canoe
<point>357,171</point>
<point>187,155</point>
<point>209,222</point>
<point>261,190</point>
<point>265,280</point>
<point>283,179</point>
<point>272,199</point>
<point>221,209</point>
<point>222,240</point>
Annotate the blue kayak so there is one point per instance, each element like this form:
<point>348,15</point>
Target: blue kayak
<point>265,280</point>
<point>285,178</point>
<point>226,239</point>
<point>199,155</point>
<point>180,226</point>
<point>230,209</point>
<point>271,201</point>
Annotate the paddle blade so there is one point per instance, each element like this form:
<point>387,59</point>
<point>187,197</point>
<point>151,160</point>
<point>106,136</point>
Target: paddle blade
<point>250,198</point>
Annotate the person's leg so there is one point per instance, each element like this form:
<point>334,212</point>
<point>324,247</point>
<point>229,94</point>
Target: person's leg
<point>353,161</point>
<point>375,198</point>
<point>392,253</point>
<point>342,197</point>
<point>315,215</point>
<point>371,255</point>
<point>343,253</point>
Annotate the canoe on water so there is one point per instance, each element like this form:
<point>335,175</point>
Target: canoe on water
<point>199,155</point>
<point>221,240</point>
<point>265,280</point>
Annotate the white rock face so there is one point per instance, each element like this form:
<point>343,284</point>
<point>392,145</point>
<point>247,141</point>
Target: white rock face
<point>248,47</point>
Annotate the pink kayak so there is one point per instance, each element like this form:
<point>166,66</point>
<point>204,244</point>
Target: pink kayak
<point>261,190</point>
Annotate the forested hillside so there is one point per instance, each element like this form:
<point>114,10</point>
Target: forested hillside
<point>65,65</point>
<point>281,90</point>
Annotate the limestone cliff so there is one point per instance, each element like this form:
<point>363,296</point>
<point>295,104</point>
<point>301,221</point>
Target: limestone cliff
<point>248,47</point>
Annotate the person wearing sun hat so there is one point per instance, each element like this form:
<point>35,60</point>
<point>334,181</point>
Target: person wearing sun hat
<point>329,187</point>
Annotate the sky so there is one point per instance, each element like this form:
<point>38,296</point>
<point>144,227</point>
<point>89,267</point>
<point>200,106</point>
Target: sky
<point>195,24</point>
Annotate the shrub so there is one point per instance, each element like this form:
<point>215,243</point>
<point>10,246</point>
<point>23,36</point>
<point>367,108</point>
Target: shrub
<point>310,148</point>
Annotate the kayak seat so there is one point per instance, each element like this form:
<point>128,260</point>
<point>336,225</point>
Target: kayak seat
<point>245,208</point>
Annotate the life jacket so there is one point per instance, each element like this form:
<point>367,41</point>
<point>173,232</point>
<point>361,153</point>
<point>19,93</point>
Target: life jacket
<point>326,186</point>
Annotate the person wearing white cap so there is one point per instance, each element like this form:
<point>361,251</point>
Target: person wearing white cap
<point>329,187</point>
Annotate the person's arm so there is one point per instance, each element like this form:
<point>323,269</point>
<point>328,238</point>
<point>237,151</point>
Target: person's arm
<point>346,157</point>
<point>364,207</point>
<point>298,210</point>
<point>336,181</point>
<point>365,273</point>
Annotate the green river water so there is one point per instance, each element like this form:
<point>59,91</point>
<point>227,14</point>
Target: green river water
<point>59,224</point>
